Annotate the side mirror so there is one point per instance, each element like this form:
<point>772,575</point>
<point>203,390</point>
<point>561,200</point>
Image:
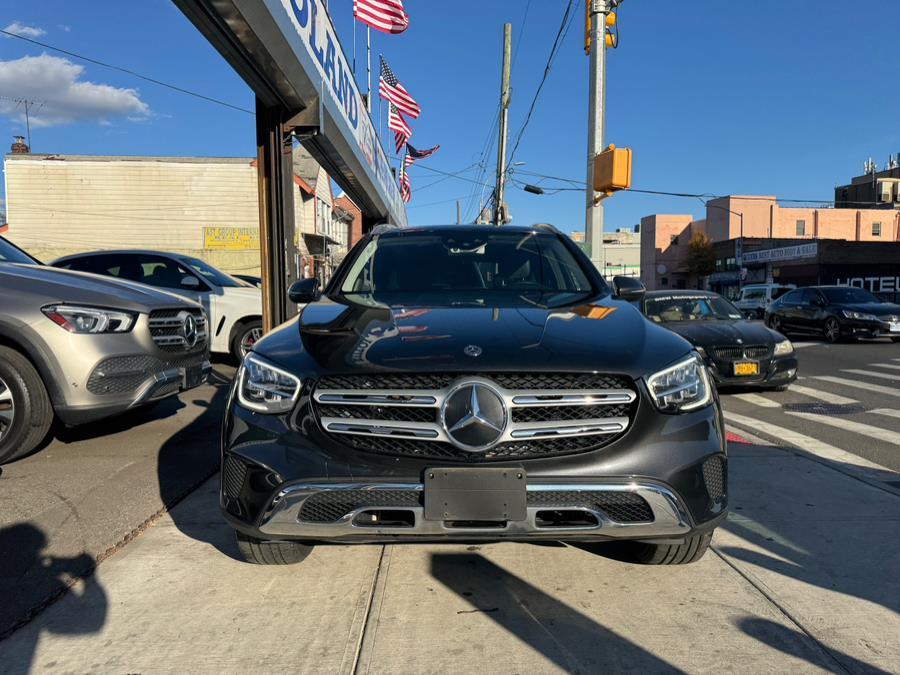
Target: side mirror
<point>304,291</point>
<point>190,283</point>
<point>628,288</point>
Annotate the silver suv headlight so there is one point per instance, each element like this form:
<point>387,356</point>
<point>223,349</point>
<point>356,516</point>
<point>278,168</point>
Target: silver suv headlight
<point>783,347</point>
<point>78,319</point>
<point>682,387</point>
<point>266,388</point>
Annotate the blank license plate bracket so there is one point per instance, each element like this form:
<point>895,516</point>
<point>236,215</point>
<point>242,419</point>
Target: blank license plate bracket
<point>475,494</point>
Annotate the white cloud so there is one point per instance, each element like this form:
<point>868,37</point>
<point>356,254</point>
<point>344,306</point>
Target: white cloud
<point>24,30</point>
<point>61,96</point>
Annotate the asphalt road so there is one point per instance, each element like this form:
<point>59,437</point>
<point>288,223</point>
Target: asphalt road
<point>847,397</point>
<point>92,487</point>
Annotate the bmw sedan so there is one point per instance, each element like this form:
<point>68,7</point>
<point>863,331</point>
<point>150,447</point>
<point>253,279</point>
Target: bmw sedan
<point>737,352</point>
<point>835,312</point>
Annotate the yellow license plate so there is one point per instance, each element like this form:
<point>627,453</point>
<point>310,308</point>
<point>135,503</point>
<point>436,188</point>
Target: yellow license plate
<point>746,368</point>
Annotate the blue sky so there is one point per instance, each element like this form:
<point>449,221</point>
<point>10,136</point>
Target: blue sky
<point>783,98</point>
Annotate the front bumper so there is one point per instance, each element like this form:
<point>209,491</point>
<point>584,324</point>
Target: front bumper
<point>774,372</point>
<point>856,328</point>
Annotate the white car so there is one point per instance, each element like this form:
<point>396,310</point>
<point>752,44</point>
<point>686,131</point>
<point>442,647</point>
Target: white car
<point>754,298</point>
<point>234,307</point>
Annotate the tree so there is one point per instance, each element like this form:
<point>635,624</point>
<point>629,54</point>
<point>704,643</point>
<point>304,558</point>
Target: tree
<point>701,259</point>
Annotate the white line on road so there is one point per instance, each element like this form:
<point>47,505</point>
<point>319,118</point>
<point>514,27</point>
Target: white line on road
<point>872,373</point>
<point>877,433</point>
<point>822,395</point>
<point>889,412</point>
<point>756,399</point>
<point>885,365</point>
<point>878,389</point>
<point>804,442</point>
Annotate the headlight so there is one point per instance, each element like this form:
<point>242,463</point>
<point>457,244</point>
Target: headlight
<point>783,347</point>
<point>682,387</point>
<point>266,389</point>
<point>859,316</point>
<point>76,319</point>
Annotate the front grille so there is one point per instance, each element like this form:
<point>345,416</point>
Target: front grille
<point>332,505</point>
<point>233,474</point>
<point>737,352</point>
<point>620,507</point>
<point>125,374</point>
<point>167,330</point>
<point>714,475</point>
<point>548,414</point>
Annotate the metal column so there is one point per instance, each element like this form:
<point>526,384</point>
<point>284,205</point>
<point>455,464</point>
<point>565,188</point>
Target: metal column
<point>593,224</point>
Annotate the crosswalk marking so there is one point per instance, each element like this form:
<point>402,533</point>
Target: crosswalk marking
<point>885,365</point>
<point>801,345</point>
<point>872,373</point>
<point>877,433</point>
<point>802,441</point>
<point>822,395</point>
<point>889,412</point>
<point>756,399</point>
<point>868,386</point>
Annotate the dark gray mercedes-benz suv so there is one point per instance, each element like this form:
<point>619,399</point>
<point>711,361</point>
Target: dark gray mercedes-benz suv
<point>472,383</point>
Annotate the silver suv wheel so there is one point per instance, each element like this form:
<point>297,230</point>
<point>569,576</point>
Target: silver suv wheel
<point>250,338</point>
<point>7,409</point>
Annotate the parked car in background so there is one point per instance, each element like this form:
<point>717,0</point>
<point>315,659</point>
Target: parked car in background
<point>737,351</point>
<point>78,347</point>
<point>249,279</point>
<point>835,312</point>
<point>234,309</point>
<point>754,298</point>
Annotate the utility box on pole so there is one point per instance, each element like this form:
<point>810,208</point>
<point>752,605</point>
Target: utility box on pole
<point>612,170</point>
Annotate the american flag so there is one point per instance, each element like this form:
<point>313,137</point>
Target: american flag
<point>389,88</point>
<point>384,15</point>
<point>398,125</point>
<point>413,155</point>
<point>405,188</point>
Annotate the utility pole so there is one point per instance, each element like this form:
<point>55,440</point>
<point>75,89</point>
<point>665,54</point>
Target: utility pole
<point>593,224</point>
<point>499,209</point>
<point>457,212</point>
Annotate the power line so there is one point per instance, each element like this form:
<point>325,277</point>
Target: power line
<point>560,34</point>
<point>173,87</point>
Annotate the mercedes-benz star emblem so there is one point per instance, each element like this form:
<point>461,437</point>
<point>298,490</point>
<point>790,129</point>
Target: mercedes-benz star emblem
<point>189,331</point>
<point>474,416</point>
<point>472,350</point>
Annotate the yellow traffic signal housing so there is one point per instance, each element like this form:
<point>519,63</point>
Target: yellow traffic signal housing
<point>612,170</point>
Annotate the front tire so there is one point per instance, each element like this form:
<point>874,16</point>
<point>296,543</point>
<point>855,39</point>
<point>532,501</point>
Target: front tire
<point>775,324</point>
<point>25,409</point>
<point>245,336</point>
<point>260,552</point>
<point>832,330</point>
<point>691,550</point>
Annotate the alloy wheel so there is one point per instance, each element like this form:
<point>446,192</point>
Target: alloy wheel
<point>775,323</point>
<point>832,330</point>
<point>7,409</point>
<point>250,338</point>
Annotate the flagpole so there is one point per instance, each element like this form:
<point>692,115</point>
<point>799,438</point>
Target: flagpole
<point>354,48</point>
<point>369,68</point>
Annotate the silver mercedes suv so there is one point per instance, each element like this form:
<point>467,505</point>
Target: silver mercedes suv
<point>78,347</point>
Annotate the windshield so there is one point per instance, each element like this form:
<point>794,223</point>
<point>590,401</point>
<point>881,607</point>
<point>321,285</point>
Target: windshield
<point>668,308</point>
<point>12,254</point>
<point>211,274</point>
<point>848,295</point>
<point>467,266</point>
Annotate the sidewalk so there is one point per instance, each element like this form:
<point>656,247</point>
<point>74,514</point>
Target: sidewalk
<point>800,579</point>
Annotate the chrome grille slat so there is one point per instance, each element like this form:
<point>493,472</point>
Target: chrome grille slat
<point>538,420</point>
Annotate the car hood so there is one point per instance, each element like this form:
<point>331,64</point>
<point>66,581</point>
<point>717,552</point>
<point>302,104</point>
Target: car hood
<point>52,284</point>
<point>709,333</point>
<point>876,308</point>
<point>602,336</point>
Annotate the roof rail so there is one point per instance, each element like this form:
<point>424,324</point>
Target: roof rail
<point>384,227</point>
<point>546,226</point>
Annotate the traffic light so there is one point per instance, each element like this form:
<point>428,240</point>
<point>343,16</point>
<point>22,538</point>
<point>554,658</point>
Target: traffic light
<point>612,170</point>
<point>612,38</point>
<point>611,28</point>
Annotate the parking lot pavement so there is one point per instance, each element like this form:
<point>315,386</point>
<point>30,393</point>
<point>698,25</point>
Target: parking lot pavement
<point>91,487</point>
<point>798,581</point>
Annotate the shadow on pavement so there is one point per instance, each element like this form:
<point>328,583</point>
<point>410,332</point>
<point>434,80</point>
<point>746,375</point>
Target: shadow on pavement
<point>188,459</point>
<point>23,567</point>
<point>572,641</point>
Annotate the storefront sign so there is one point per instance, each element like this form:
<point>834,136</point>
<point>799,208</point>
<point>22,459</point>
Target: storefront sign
<point>810,250</point>
<point>890,284</point>
<point>231,238</point>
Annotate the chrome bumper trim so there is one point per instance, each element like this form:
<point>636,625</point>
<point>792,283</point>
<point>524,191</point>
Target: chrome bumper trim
<point>670,515</point>
<point>164,378</point>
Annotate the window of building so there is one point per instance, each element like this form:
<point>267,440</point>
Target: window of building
<point>674,240</point>
<point>730,264</point>
<point>801,228</point>
<point>720,264</point>
<point>680,283</point>
<point>876,229</point>
<point>664,281</point>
